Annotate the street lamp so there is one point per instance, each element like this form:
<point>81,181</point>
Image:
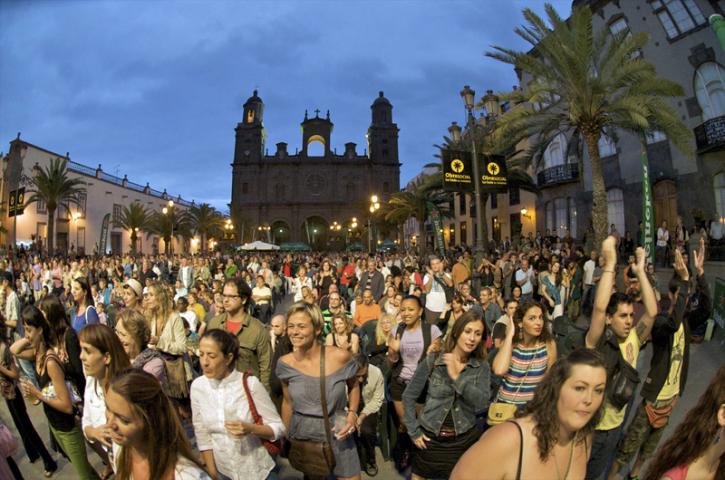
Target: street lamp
<point>374,206</point>
<point>265,228</point>
<point>228,229</point>
<point>169,210</point>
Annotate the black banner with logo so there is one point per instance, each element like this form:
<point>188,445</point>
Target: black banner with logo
<point>16,202</point>
<point>457,171</point>
<point>493,174</point>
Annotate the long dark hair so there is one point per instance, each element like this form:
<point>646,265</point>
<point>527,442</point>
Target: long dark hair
<point>87,297</point>
<point>694,435</point>
<point>105,340</point>
<point>543,407</point>
<point>518,319</point>
<point>164,439</point>
<point>33,317</point>
<point>57,319</point>
<point>457,330</point>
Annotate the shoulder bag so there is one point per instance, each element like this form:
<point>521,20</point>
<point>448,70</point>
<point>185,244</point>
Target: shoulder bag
<point>273,447</point>
<point>499,412</point>
<point>309,457</point>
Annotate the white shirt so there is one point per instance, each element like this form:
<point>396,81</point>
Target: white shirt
<point>297,285</point>
<point>185,469</point>
<point>191,319</point>
<point>663,236</point>
<point>717,230</point>
<point>435,300</point>
<point>94,406</point>
<point>527,287</point>
<point>589,267</point>
<point>263,291</point>
<point>237,459</point>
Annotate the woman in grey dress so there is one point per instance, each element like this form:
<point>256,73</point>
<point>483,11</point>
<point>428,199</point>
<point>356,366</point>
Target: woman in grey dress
<point>299,373</point>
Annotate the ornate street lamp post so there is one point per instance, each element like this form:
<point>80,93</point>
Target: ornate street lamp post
<point>374,207</point>
<point>169,210</point>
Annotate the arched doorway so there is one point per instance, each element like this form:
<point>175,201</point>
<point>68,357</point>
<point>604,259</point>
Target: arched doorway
<point>665,200</point>
<point>281,232</point>
<point>315,232</point>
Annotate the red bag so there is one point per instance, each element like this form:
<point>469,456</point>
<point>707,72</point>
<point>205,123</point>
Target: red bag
<point>274,448</point>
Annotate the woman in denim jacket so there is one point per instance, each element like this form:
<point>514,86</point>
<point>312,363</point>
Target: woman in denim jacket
<point>458,386</point>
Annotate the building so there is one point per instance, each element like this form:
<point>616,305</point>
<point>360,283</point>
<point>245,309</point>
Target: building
<point>683,48</point>
<point>298,197</point>
<point>78,228</point>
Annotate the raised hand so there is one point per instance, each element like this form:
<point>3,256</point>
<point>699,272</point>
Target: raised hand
<point>609,251</point>
<point>638,267</point>
<point>454,367</point>
<point>680,266</point>
<point>700,258</point>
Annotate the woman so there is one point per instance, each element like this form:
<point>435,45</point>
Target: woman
<point>134,334</point>
<point>696,449</point>
<point>103,356</point>
<point>449,316</point>
<point>85,312</point>
<point>325,277</point>
<point>525,355</point>
<point>551,435</point>
<point>301,280</point>
<point>342,335</point>
<point>299,373</point>
<point>169,338</point>
<point>222,414</point>
<point>386,303</point>
<point>148,439</point>
<point>34,446</point>
<point>378,350</point>
<point>54,392</point>
<point>458,386</point>
<point>551,289</point>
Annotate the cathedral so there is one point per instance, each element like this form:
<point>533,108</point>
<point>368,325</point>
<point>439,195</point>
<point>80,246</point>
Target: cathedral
<point>313,195</point>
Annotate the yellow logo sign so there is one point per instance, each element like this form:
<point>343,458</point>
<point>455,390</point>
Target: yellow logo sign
<point>457,166</point>
<point>493,168</point>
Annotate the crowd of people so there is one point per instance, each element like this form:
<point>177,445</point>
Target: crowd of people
<point>521,365</point>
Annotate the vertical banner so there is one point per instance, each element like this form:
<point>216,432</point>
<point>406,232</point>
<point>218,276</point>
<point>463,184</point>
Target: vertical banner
<point>104,234</point>
<point>648,215</point>
<point>435,216</point>
<point>493,174</point>
<point>16,202</point>
<point>457,171</point>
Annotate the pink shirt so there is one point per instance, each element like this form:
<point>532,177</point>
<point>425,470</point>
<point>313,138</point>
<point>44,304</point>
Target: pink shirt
<point>677,473</point>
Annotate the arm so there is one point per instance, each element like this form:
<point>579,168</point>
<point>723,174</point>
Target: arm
<point>11,371</point>
<point>203,439</point>
<point>604,292</point>
<point>411,394</point>
<point>355,340</point>
<point>427,286</point>
<point>173,339</point>
<point>272,428</point>
<point>376,402</point>
<point>264,357</point>
<point>644,326</point>
<point>496,452</point>
<point>22,349</point>
<point>551,354</point>
<point>474,393</point>
<point>502,360</point>
<point>329,339</point>
<point>447,278</point>
<point>62,401</point>
<point>286,409</point>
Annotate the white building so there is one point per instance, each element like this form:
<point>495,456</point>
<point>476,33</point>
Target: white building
<point>78,228</point>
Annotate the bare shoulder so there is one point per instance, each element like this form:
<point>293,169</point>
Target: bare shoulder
<point>495,452</point>
<point>337,355</point>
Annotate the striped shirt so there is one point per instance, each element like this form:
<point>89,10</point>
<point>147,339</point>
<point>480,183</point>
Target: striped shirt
<point>527,369</point>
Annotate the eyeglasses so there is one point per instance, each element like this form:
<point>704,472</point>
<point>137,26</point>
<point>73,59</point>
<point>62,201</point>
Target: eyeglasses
<point>230,297</point>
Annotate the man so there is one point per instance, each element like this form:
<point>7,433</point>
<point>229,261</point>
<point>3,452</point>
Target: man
<point>325,299</point>
<point>182,305</point>
<point>185,274</point>
<point>335,307</point>
<point>146,273</point>
<point>489,309</point>
<point>524,276</point>
<point>280,345</point>
<point>12,308</point>
<point>460,272</point>
<point>668,368</point>
<point>254,349</point>
<point>371,279</point>
<point>367,310</point>
<point>435,282</point>
<point>588,281</point>
<point>372,395</point>
<point>262,296</point>
<point>468,299</point>
<point>612,334</point>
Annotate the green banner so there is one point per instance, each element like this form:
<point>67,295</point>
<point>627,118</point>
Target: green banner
<point>104,234</point>
<point>648,214</point>
<point>435,217</point>
<point>718,25</point>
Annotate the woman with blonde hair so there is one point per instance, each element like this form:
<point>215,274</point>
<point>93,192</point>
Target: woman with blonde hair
<point>342,335</point>
<point>378,349</point>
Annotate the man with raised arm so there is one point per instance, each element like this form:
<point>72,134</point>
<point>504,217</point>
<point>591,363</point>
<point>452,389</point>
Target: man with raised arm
<point>611,333</point>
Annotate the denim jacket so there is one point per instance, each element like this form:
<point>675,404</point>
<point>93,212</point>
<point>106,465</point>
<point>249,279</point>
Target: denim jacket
<point>463,397</point>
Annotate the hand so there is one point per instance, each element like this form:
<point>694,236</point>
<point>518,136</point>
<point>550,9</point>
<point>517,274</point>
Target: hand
<point>429,270</point>
<point>153,340</point>
<point>680,267</point>
<point>454,367</point>
<point>29,390</point>
<point>348,429</point>
<point>700,258</point>
<point>238,429</point>
<point>394,342</point>
<point>420,442</point>
<point>551,302</point>
<point>360,422</point>
<point>609,251</point>
<point>102,434</point>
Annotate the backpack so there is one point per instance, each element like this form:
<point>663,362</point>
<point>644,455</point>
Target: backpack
<point>427,335</point>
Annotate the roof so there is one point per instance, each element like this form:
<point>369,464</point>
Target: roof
<point>381,99</point>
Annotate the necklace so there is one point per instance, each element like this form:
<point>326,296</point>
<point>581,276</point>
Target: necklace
<point>568,466</point>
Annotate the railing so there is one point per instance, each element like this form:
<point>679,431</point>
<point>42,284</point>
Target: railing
<point>568,172</point>
<point>80,168</point>
<point>710,135</point>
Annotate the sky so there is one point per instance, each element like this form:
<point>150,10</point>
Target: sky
<point>154,89</point>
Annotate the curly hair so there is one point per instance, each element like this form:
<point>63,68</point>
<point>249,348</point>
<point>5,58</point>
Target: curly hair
<point>543,407</point>
<point>694,435</point>
<point>519,315</point>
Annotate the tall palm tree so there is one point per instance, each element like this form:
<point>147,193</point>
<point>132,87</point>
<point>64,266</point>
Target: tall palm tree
<point>54,187</point>
<point>587,83</point>
<point>206,221</point>
<point>176,221</point>
<point>135,218</point>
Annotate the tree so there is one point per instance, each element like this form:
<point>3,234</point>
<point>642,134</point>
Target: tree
<point>135,218</point>
<point>176,221</point>
<point>206,221</point>
<point>589,84</point>
<point>54,187</point>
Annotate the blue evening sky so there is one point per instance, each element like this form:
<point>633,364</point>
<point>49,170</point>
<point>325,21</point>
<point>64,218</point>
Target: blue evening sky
<point>154,89</point>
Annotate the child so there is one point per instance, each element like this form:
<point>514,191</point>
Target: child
<point>101,310</point>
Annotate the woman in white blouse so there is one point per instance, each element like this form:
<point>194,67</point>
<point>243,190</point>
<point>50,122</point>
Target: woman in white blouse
<point>102,356</point>
<point>226,434</point>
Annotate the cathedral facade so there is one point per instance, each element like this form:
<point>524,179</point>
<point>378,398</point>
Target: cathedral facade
<point>313,195</point>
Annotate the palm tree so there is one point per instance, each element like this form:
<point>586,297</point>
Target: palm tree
<point>52,186</point>
<point>135,218</point>
<point>587,83</point>
<point>206,221</point>
<point>176,221</point>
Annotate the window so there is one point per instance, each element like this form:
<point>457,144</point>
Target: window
<point>615,209</point>
<point>655,136</point>
<point>40,206</point>
<point>81,240</point>
<point>514,196</point>
<point>464,234</point>
<point>116,213</point>
<point>550,216</point>
<point>494,201</point>
<point>607,147</point>
<point>471,207</point>
<point>678,16</point>
<point>82,197</point>
<point>710,90</point>
<point>462,203</point>
<point>562,221</point>
<point>718,186</point>
<point>452,234</point>
<point>555,153</point>
<point>572,217</point>
<point>619,27</point>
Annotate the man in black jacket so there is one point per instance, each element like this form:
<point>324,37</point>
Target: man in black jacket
<point>373,280</point>
<point>668,368</point>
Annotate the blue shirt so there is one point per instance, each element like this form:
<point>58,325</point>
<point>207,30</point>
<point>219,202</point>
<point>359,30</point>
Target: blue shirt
<point>80,321</point>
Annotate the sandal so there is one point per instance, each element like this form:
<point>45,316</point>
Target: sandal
<point>107,472</point>
<point>49,473</point>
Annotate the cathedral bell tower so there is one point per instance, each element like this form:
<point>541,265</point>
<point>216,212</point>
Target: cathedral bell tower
<point>383,133</point>
<point>250,132</point>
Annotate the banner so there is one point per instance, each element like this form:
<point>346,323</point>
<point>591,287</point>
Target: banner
<point>104,234</point>
<point>435,217</point>
<point>16,202</point>
<point>493,174</point>
<point>648,214</point>
<point>457,171</point>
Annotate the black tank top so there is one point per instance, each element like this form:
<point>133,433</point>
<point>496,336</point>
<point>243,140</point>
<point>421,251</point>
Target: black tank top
<point>63,422</point>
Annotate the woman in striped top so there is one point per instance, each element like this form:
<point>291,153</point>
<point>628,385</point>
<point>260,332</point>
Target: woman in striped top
<point>525,355</point>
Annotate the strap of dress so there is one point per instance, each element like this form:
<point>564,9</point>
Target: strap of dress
<point>521,450</point>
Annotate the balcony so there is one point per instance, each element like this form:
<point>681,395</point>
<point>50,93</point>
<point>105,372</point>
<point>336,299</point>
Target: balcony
<point>568,172</point>
<point>710,135</point>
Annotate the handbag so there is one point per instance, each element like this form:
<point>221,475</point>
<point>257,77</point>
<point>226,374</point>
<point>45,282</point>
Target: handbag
<point>449,291</point>
<point>273,447</point>
<point>176,375</point>
<point>659,417</point>
<point>623,384</point>
<point>7,386</point>
<point>499,412</point>
<point>310,457</point>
